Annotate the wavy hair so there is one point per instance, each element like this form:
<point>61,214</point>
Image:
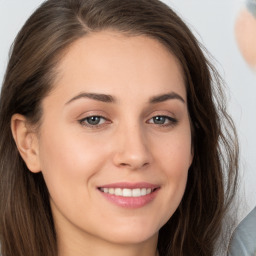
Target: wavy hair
<point>26,222</point>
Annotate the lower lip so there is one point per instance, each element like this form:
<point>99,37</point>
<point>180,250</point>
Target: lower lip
<point>130,202</point>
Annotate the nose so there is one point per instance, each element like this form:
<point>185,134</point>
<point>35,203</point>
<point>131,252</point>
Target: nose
<point>132,148</point>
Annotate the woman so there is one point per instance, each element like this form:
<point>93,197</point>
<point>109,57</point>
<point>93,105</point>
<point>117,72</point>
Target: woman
<point>115,138</point>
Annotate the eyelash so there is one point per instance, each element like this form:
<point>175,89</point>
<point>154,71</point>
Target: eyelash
<point>85,121</point>
<point>170,121</point>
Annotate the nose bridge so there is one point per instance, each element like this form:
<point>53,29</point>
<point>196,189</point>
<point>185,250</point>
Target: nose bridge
<point>132,149</point>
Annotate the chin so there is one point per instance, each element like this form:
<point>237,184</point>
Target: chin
<point>128,235</point>
<point>132,238</point>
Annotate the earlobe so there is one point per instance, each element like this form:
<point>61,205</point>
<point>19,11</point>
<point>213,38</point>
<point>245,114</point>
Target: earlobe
<point>26,141</point>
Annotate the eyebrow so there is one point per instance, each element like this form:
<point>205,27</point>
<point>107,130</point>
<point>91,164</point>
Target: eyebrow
<point>93,96</point>
<point>165,97</point>
<point>110,99</point>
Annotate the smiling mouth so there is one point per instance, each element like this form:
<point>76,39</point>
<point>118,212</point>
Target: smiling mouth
<point>127,192</point>
<point>130,195</point>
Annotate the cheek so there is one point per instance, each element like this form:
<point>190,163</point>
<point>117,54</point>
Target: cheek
<point>66,148</point>
<point>174,152</point>
<point>174,159</point>
<point>176,166</point>
<point>68,161</point>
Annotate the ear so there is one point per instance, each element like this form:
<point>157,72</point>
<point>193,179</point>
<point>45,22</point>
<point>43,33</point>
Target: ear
<point>27,142</point>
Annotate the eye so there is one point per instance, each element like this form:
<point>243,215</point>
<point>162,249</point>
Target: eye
<point>163,120</point>
<point>92,121</point>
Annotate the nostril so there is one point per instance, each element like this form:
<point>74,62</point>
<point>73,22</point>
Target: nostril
<point>134,156</point>
<point>134,165</point>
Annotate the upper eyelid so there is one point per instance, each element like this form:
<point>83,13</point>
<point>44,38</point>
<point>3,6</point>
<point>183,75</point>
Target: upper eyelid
<point>174,119</point>
<point>87,114</point>
<point>165,113</point>
<point>148,116</point>
<point>84,122</point>
<point>109,116</point>
<point>86,117</point>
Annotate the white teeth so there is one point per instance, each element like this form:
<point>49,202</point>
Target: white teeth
<point>111,191</point>
<point>143,191</point>
<point>136,192</point>
<point>126,192</point>
<point>118,192</point>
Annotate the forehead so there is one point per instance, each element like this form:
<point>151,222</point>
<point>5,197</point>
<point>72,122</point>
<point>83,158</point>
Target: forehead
<point>110,61</point>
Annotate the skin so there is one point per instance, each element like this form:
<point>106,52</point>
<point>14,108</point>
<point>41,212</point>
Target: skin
<point>127,145</point>
<point>245,30</point>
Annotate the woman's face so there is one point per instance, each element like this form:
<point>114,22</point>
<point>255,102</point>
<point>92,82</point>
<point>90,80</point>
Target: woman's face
<point>115,141</point>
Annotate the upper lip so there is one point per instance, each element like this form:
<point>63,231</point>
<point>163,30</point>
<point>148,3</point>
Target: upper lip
<point>130,185</point>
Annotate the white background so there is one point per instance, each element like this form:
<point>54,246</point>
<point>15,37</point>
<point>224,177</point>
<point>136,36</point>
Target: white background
<point>213,23</point>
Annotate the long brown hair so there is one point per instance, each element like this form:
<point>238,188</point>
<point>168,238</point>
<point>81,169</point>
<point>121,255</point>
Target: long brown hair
<point>26,223</point>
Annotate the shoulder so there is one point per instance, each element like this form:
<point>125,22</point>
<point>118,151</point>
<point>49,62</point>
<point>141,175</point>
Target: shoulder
<point>244,238</point>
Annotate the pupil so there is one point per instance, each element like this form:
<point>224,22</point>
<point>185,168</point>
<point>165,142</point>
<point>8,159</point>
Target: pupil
<point>159,120</point>
<point>94,120</point>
